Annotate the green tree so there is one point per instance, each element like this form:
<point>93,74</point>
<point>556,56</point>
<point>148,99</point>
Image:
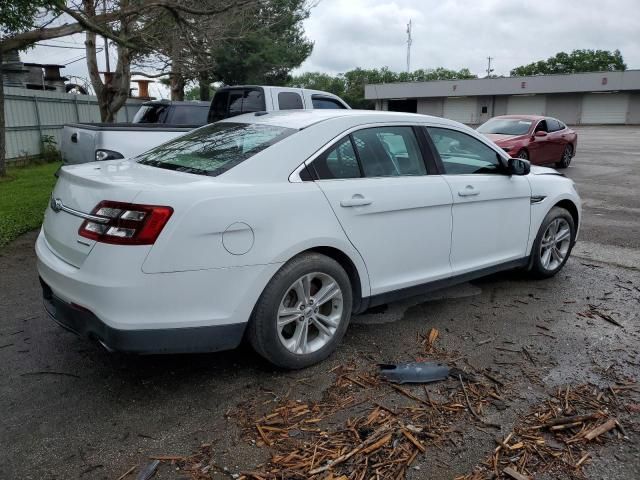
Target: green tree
<point>16,17</point>
<point>574,62</point>
<point>265,55</point>
<point>350,85</point>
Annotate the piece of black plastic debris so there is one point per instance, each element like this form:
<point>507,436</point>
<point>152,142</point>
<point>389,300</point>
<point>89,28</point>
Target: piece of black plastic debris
<point>415,372</point>
<point>148,471</point>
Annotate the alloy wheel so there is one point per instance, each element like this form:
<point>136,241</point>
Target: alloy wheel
<point>523,154</point>
<point>566,156</point>
<point>555,244</point>
<point>309,313</point>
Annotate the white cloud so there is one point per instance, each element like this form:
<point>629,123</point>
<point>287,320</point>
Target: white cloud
<point>449,33</point>
<point>457,34</point>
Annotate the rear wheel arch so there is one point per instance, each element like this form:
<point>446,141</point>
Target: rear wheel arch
<point>349,266</point>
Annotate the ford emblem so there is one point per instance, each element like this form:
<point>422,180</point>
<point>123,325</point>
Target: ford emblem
<point>56,204</point>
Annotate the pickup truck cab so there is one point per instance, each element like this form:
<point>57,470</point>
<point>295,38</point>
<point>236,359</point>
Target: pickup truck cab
<point>158,122</point>
<point>232,101</point>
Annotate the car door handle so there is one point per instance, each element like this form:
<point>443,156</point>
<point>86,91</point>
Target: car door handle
<point>469,191</point>
<point>356,201</point>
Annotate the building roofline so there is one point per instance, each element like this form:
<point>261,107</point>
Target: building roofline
<point>530,84</point>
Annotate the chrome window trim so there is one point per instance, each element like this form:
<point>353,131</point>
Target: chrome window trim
<point>295,175</point>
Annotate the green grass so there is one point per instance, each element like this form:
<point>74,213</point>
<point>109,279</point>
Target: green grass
<point>24,194</point>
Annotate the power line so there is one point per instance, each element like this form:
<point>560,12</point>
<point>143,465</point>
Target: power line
<point>59,46</point>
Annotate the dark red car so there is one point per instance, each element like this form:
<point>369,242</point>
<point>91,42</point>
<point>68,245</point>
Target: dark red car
<point>540,140</point>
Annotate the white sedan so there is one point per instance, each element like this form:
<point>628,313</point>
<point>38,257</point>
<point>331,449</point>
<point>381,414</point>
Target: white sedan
<point>278,227</point>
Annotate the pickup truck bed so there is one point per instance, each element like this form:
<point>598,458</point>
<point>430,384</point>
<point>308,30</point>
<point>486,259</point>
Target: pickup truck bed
<point>80,141</point>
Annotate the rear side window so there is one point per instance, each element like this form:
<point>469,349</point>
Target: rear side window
<point>214,149</point>
<point>372,152</point>
<point>189,115</point>
<point>389,152</point>
<point>151,114</point>
<point>289,101</point>
<point>326,103</point>
<point>338,162</point>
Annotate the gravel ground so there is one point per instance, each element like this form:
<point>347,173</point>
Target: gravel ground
<point>72,410</point>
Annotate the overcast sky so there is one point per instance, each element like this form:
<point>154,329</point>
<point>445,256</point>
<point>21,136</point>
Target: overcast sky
<point>446,33</point>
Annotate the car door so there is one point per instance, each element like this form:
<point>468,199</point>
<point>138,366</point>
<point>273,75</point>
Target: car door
<point>556,140</point>
<point>540,148</point>
<point>491,209</point>
<point>396,215</point>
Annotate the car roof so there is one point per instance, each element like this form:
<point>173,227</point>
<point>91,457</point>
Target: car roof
<point>300,119</point>
<point>164,101</point>
<point>522,117</point>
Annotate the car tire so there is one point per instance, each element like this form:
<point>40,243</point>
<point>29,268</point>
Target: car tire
<point>553,243</point>
<point>523,154</point>
<point>567,154</point>
<point>294,340</point>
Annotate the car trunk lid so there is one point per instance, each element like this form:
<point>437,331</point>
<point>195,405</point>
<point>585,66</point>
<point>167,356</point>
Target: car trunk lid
<point>80,188</point>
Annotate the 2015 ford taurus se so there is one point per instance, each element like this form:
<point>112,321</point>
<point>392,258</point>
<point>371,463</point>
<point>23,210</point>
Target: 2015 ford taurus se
<point>278,227</point>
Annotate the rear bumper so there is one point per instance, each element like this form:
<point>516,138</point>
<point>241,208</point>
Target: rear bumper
<point>170,340</point>
<point>110,299</point>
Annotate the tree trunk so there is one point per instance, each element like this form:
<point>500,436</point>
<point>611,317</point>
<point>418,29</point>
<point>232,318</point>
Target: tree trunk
<point>205,89</point>
<point>177,86</point>
<point>3,167</point>
<point>114,91</point>
<point>176,77</point>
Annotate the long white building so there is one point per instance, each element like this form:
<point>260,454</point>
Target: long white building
<point>577,99</point>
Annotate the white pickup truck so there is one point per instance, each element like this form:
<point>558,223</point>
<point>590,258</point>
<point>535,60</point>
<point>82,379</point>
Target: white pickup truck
<point>159,121</point>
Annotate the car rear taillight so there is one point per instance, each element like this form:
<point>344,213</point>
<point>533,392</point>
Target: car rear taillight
<point>125,223</point>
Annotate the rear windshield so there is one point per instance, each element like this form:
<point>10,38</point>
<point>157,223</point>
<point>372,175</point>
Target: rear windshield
<point>506,126</point>
<point>151,114</point>
<point>236,101</point>
<point>214,149</point>
<point>189,115</point>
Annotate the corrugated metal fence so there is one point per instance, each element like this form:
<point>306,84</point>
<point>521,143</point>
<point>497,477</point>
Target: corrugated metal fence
<point>31,114</point>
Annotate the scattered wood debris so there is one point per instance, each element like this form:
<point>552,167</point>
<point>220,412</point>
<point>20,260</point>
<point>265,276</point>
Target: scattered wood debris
<point>378,441</point>
<point>552,438</point>
<point>594,312</point>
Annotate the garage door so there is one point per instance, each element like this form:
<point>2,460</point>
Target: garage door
<point>605,108</point>
<point>526,105</point>
<point>462,110</point>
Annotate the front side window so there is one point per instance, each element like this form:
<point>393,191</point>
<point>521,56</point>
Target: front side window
<point>289,101</point>
<point>389,152</point>
<point>553,125</point>
<point>462,154</point>
<point>505,126</point>
<point>542,126</point>
<point>214,149</point>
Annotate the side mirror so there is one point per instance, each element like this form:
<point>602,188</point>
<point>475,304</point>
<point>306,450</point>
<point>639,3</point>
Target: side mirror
<point>518,166</point>
<point>541,133</point>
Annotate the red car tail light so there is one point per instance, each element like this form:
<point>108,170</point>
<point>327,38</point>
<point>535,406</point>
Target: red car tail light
<point>125,223</point>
